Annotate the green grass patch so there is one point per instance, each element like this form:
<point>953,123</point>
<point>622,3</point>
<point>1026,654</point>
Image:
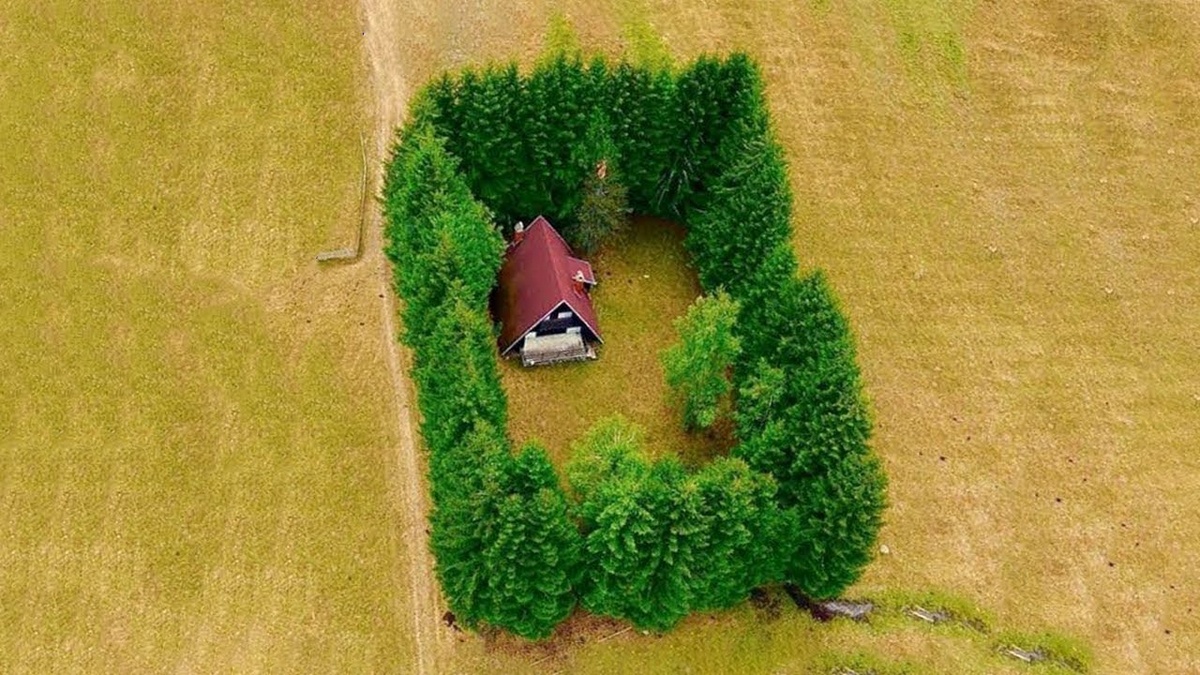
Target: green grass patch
<point>1063,653</point>
<point>928,37</point>
<point>644,45</point>
<point>961,611</point>
<point>862,663</point>
<point>561,37</point>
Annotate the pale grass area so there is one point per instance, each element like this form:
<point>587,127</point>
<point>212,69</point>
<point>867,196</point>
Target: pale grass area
<point>644,284</point>
<point>196,423</point>
<point>1004,195</point>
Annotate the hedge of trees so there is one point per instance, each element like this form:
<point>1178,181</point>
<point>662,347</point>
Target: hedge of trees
<point>801,498</point>
<point>507,553</point>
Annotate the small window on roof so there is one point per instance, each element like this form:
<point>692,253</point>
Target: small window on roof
<point>564,315</point>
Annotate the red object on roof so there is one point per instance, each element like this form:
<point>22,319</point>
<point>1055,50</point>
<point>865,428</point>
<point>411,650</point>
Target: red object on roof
<point>537,278</point>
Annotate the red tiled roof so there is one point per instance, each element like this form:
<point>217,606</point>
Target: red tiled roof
<point>535,279</point>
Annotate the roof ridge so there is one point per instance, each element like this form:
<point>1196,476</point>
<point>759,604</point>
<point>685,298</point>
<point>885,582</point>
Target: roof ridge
<point>564,287</point>
<point>564,282</point>
<point>535,246</point>
<point>542,219</point>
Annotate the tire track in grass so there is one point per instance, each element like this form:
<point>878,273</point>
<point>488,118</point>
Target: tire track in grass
<point>382,37</point>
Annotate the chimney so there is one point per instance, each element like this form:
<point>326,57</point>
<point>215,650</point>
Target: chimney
<point>518,233</point>
<point>579,280</point>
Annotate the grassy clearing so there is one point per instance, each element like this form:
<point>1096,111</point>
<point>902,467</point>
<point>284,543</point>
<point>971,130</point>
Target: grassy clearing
<point>1003,194</point>
<point>196,424</point>
<point>645,283</point>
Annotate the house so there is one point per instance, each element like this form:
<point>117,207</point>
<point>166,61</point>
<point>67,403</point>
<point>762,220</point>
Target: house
<point>543,302</point>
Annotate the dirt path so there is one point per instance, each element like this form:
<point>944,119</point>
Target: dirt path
<point>389,92</point>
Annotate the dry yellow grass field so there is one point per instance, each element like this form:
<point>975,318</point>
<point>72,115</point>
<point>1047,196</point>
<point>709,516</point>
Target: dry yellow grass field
<point>1005,197</point>
<point>197,426</point>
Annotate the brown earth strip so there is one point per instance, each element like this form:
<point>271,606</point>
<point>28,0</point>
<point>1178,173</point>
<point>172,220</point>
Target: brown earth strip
<point>389,94</point>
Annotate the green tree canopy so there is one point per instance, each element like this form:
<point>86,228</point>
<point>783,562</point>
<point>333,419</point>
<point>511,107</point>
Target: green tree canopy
<point>738,522</point>
<point>456,374</point>
<point>469,492</point>
<point>604,203</point>
<point>810,430</point>
<point>635,529</point>
<point>698,366</point>
<point>438,235</point>
<point>533,561</point>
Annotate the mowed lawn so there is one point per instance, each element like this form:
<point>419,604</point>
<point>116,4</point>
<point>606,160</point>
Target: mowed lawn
<point>1005,197</point>
<point>196,423</point>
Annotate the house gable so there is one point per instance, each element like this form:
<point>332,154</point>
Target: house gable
<point>539,278</point>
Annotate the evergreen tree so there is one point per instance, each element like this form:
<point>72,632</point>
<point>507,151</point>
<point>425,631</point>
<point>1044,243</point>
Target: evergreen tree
<point>603,213</point>
<point>698,366</point>
<point>560,100</point>
<point>610,452</point>
<point>744,215</point>
<point>437,233</point>
<point>437,106</point>
<point>533,563</point>
<point>468,497</point>
<point>603,207</point>
<point>810,431</point>
<point>636,529</point>
<point>491,142</point>
<point>839,516</point>
<point>701,131</point>
<point>715,97</point>
<point>641,107</point>
<point>735,548</point>
<point>458,383</point>
<point>767,312</point>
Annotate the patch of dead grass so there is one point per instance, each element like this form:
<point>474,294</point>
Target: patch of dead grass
<point>196,423</point>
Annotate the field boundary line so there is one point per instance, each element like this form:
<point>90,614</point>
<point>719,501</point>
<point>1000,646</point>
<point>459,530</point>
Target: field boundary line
<point>382,37</point>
